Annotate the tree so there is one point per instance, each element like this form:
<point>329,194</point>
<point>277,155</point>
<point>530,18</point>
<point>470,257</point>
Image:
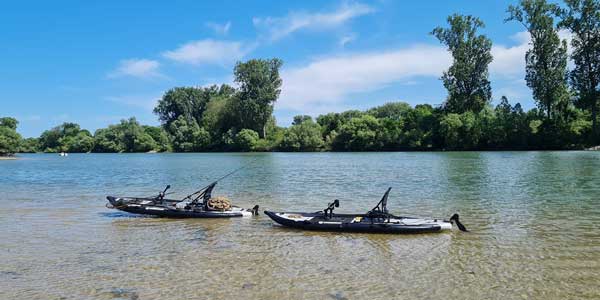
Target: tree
<point>160,137</point>
<point>188,136</point>
<point>299,119</point>
<point>29,145</point>
<point>260,86</point>
<point>303,136</point>
<point>359,134</point>
<point>67,137</point>
<point>127,136</point>
<point>467,79</point>
<point>246,139</point>
<point>582,18</point>
<point>392,110</point>
<point>546,61</point>
<point>9,138</point>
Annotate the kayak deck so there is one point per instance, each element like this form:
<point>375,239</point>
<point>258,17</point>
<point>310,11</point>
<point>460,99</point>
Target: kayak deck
<point>171,208</point>
<point>357,223</point>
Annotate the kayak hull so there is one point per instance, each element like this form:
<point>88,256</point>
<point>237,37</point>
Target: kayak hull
<point>357,223</point>
<point>170,209</point>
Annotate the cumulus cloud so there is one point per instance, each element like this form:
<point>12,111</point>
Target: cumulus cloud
<point>509,61</point>
<point>207,51</point>
<point>221,29</point>
<point>327,81</point>
<point>141,68</point>
<point>279,27</point>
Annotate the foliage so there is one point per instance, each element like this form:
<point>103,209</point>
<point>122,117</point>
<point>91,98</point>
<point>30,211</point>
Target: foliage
<point>67,137</point>
<point>246,140</point>
<point>260,85</point>
<point>303,135</point>
<point>29,145</point>
<point>582,18</point>
<point>359,134</point>
<point>129,136</point>
<point>546,61</point>
<point>9,138</point>
<point>467,79</point>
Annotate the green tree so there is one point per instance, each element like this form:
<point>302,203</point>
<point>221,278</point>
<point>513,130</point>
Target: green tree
<point>302,136</point>
<point>188,136</point>
<point>9,138</point>
<point>67,137</point>
<point>160,137</point>
<point>392,110</point>
<point>546,61</point>
<point>246,140</point>
<point>582,18</point>
<point>127,136</point>
<point>299,119</point>
<point>29,145</point>
<point>467,79</point>
<point>260,86</point>
<point>359,134</point>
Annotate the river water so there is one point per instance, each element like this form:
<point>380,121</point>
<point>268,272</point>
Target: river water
<point>534,219</point>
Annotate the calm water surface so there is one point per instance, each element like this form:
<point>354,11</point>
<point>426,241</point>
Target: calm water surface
<point>534,217</point>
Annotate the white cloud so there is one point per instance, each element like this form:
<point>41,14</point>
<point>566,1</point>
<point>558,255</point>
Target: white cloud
<point>326,82</point>
<point>221,29</point>
<point>279,27</point>
<point>145,102</point>
<point>509,61</point>
<point>141,68</point>
<point>207,52</point>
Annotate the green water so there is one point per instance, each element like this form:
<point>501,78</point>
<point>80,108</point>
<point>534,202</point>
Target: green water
<point>534,219</point>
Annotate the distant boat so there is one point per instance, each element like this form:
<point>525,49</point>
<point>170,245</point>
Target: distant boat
<point>63,154</point>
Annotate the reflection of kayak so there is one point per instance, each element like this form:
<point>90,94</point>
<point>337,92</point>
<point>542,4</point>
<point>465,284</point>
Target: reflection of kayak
<point>377,220</point>
<point>196,205</point>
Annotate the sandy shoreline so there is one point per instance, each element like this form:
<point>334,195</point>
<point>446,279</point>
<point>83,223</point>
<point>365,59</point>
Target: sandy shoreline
<point>7,157</point>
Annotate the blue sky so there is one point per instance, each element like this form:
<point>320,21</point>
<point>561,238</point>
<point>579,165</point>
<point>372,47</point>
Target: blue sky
<point>96,62</point>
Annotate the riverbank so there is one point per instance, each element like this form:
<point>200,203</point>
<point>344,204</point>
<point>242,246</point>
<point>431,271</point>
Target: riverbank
<point>7,157</point>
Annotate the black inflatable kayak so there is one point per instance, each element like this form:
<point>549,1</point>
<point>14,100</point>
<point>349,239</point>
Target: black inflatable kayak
<point>192,206</point>
<point>377,220</point>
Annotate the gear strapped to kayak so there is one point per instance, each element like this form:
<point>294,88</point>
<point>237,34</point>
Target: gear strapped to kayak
<point>376,220</point>
<point>199,204</point>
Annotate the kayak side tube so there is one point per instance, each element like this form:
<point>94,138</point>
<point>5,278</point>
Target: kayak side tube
<point>357,223</point>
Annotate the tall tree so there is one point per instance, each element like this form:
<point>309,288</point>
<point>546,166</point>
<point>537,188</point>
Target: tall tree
<point>9,138</point>
<point>582,18</point>
<point>467,79</point>
<point>260,85</point>
<point>546,61</point>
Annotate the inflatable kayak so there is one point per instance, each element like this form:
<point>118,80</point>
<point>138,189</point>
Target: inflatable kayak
<point>197,205</point>
<point>377,220</point>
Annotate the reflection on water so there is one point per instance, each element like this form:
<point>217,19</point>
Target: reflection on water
<point>534,218</point>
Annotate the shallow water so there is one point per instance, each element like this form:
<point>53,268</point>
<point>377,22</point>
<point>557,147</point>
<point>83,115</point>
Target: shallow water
<point>534,219</point>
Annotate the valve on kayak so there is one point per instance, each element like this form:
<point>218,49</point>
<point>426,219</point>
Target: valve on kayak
<point>454,219</point>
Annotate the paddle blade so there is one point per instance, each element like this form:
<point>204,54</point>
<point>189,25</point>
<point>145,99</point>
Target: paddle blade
<point>456,220</point>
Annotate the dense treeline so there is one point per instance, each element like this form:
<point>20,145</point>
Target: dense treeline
<point>226,118</point>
